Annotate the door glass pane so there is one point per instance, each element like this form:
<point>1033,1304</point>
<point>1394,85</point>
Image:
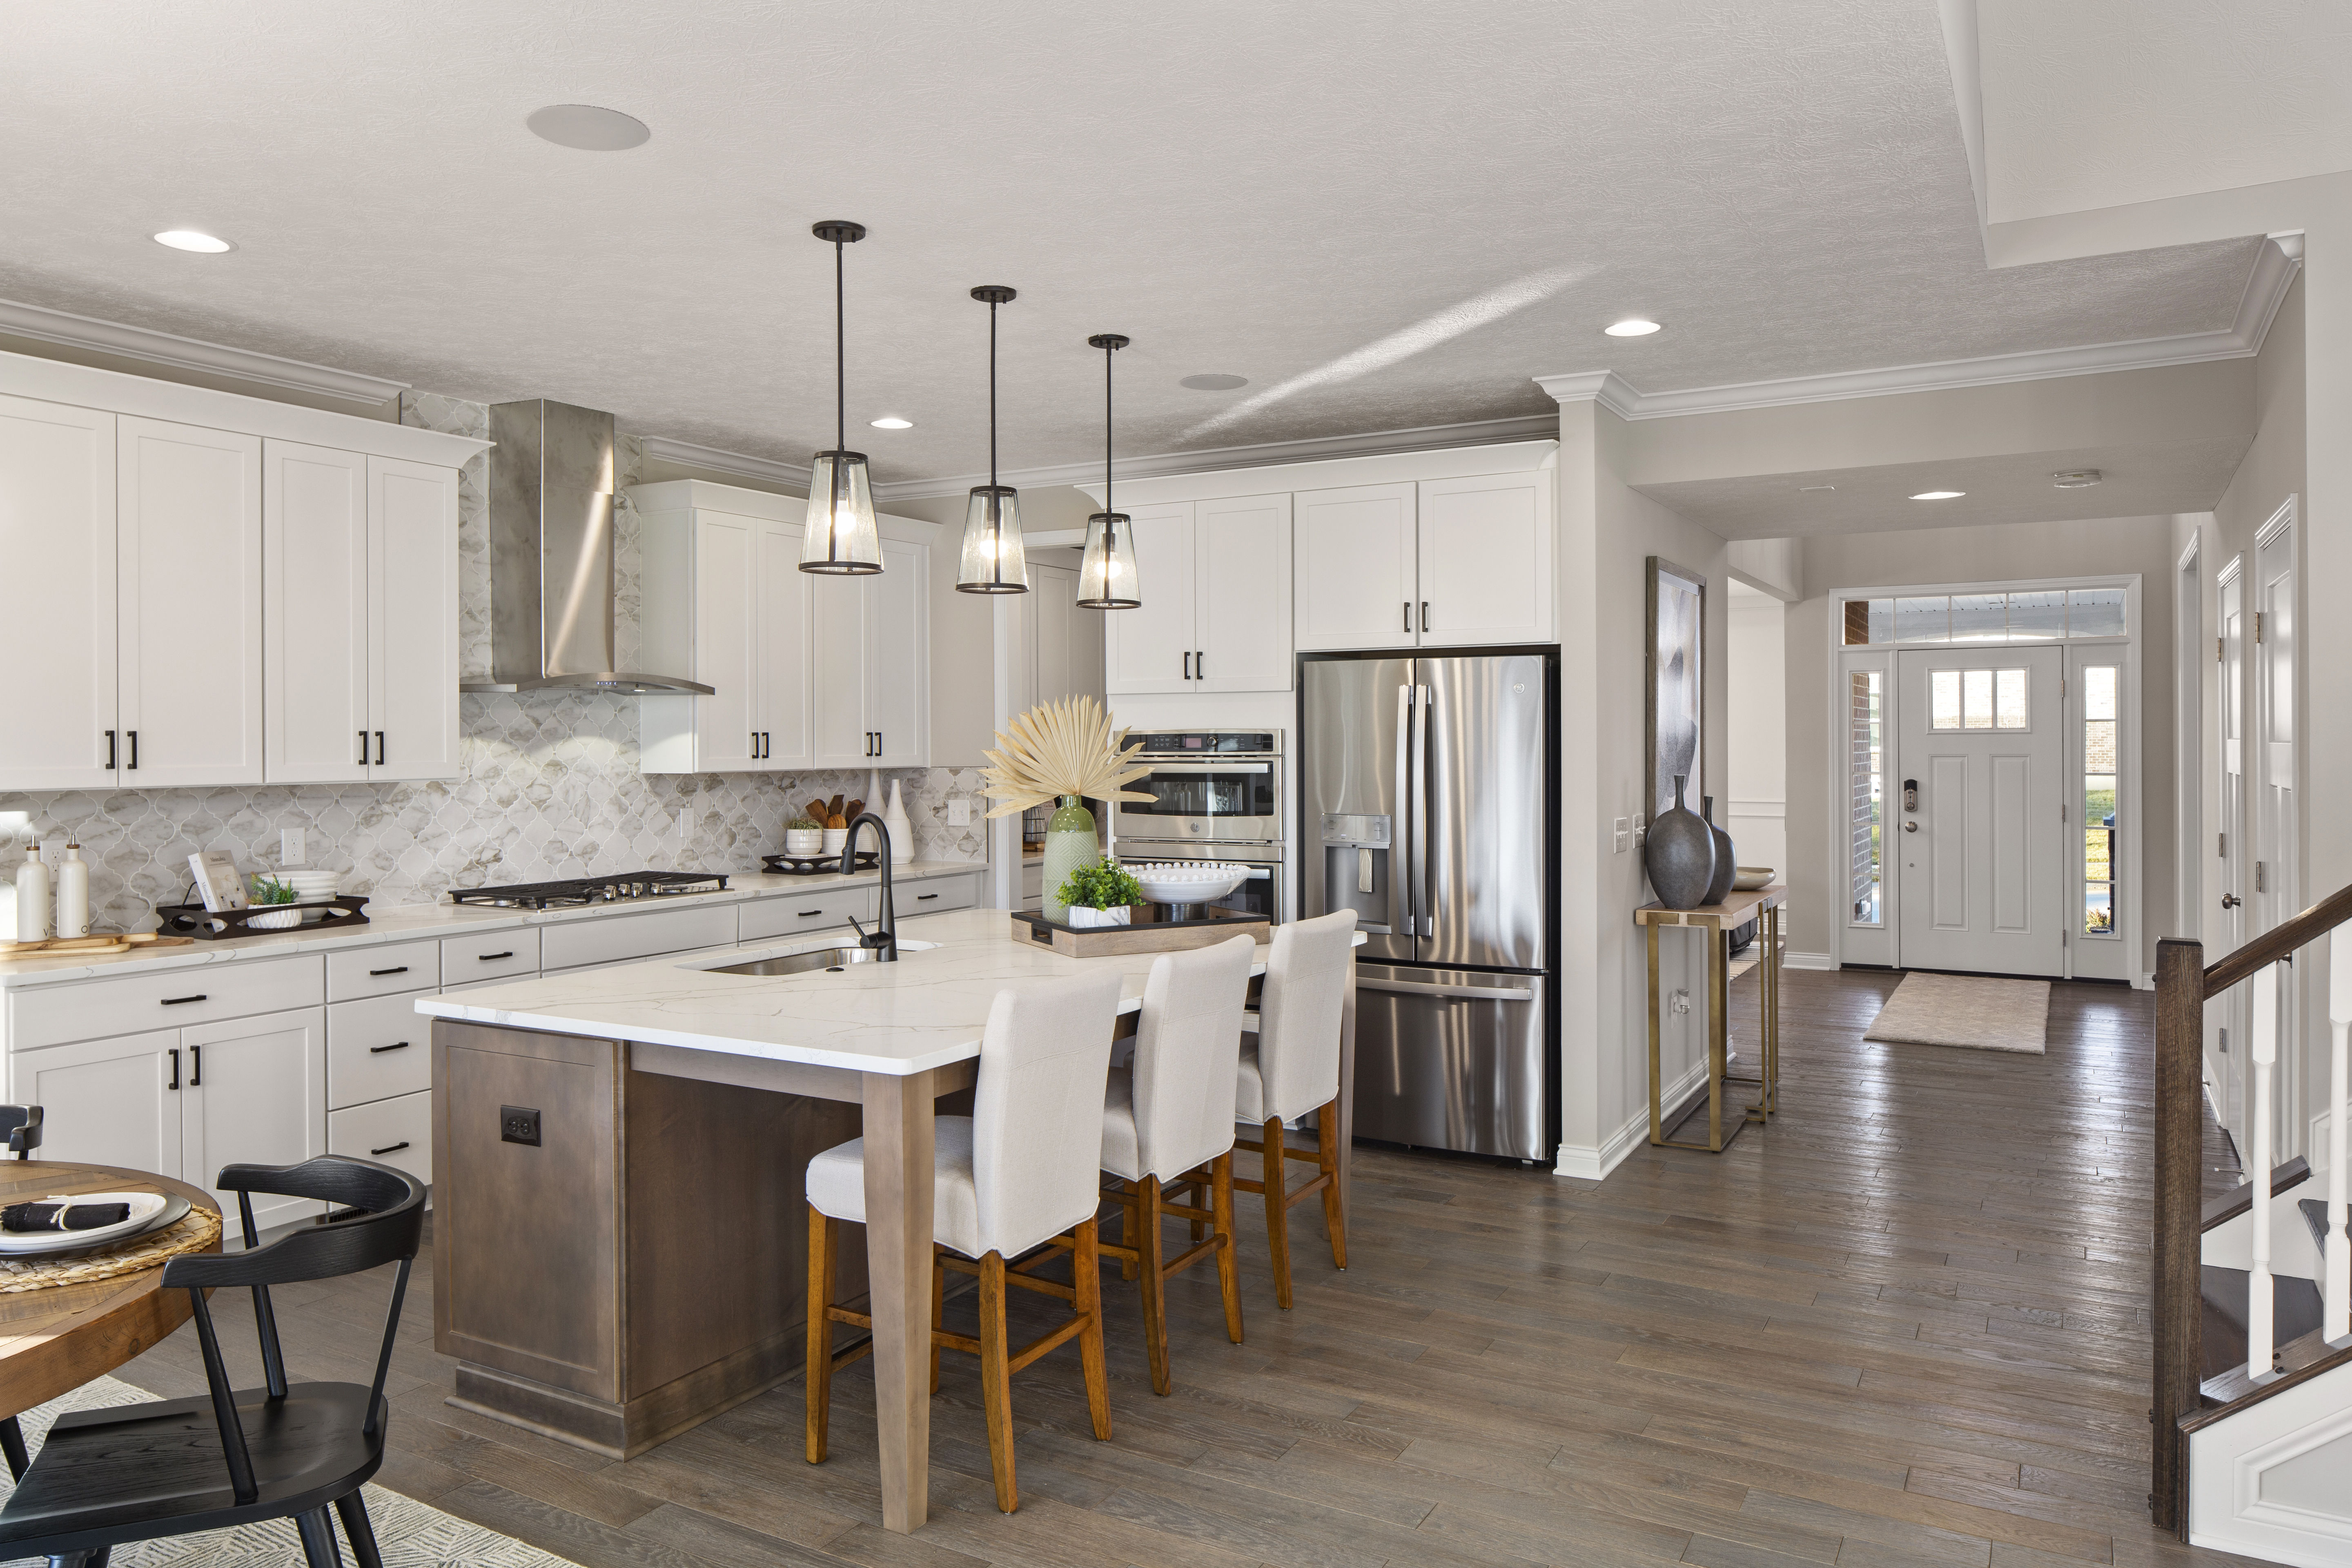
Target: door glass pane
<point>2009,700</point>
<point>1865,745</point>
<point>2094,612</point>
<point>1979,617</point>
<point>2099,691</point>
<point>2038,617</point>
<point>1943,700</point>
<point>2102,771</point>
<point>1923,620</point>
<point>1976,698</point>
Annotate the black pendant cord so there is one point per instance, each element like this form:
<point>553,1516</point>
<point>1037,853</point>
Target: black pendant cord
<point>1110,529</point>
<point>840,359</point>
<point>996,499</point>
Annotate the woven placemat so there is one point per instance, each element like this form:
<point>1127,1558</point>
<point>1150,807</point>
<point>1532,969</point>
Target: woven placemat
<point>193,1232</point>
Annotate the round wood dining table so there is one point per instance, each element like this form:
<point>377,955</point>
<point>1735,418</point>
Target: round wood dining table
<point>54,1339</point>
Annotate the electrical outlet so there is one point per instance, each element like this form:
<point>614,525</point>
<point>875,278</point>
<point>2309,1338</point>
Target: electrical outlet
<point>293,846</point>
<point>1681,1005</point>
<point>519,1124</point>
<point>959,811</point>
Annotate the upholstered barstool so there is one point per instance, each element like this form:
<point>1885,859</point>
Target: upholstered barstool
<point>1016,1174</point>
<point>1166,1124</point>
<point>1290,1066</point>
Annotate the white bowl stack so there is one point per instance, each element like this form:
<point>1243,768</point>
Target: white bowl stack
<point>310,887</point>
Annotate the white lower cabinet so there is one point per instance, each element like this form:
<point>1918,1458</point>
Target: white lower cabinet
<point>397,1131</point>
<point>377,1048</point>
<point>107,1102</point>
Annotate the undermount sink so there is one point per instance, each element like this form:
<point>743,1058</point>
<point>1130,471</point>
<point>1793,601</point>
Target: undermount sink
<point>807,963</point>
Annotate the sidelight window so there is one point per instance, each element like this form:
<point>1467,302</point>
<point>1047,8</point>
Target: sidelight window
<point>1865,740</point>
<point>2102,748</point>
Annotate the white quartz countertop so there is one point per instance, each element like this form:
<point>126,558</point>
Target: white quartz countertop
<point>927,1010</point>
<point>410,922</point>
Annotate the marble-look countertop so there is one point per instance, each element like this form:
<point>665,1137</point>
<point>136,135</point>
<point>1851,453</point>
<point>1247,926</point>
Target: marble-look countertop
<point>927,1010</point>
<point>410,923</point>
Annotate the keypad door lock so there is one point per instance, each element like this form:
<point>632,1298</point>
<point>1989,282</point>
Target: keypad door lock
<point>1910,794</point>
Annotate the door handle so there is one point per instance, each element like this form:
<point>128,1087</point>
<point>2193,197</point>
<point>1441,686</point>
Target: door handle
<point>391,1148</point>
<point>134,749</point>
<point>379,748</point>
<point>174,1054</point>
<point>1408,614</point>
<point>1910,828</point>
<point>1425,615</point>
<point>2231,900</point>
<point>1400,887</point>
<point>1421,877</point>
<point>395,1046</point>
<point>380,973</point>
<point>109,751</point>
<point>1200,664</point>
<point>1188,665</point>
<point>196,1067</point>
<point>493,957</point>
<point>1471,993</point>
<point>178,1001</point>
<point>363,748</point>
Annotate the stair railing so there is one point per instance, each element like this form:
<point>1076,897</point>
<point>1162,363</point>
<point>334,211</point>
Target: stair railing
<point>2183,985</point>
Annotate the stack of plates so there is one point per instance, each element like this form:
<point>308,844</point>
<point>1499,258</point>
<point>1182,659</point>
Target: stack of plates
<point>148,1211</point>
<point>310,887</point>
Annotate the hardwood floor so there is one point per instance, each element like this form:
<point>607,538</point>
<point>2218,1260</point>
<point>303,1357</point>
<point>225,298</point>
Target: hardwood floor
<point>1905,1324</point>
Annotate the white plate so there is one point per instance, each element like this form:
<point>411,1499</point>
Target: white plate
<point>144,1206</point>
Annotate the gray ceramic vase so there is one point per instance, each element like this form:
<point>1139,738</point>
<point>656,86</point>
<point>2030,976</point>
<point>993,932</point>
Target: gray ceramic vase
<point>1680,855</point>
<point>1726,859</point>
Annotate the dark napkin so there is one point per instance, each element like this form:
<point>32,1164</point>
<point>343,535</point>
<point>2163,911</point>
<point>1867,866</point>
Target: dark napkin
<point>22,1217</point>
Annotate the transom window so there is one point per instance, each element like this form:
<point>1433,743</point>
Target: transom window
<point>1976,699</point>
<point>2039,614</point>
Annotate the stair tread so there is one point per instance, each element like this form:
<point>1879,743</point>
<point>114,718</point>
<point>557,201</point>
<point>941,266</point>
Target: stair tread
<point>2294,1314</point>
<point>2307,1355</point>
<point>2240,1199</point>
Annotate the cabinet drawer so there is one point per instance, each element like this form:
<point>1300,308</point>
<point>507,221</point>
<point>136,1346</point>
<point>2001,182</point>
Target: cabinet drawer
<point>492,955</point>
<point>380,970</point>
<point>772,918</point>
<point>624,937</point>
<point>388,1131</point>
<point>938,897</point>
<point>52,1014</point>
<point>376,1048</point>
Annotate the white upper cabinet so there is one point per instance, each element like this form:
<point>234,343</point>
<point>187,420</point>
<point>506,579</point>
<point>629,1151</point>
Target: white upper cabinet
<point>872,660</point>
<point>1358,583</point>
<point>1214,578</point>
<point>57,631</point>
<point>188,580</point>
<point>1487,571</point>
<point>412,620</point>
<point>780,659</point>
<point>315,622</point>
<point>725,603</point>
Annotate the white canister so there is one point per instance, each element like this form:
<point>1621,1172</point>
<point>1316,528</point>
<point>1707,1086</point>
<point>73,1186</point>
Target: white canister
<point>836,840</point>
<point>803,840</point>
<point>902,832</point>
<point>73,893</point>
<point>32,897</point>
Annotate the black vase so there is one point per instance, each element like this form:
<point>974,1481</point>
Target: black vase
<point>1726,859</point>
<point>1680,855</point>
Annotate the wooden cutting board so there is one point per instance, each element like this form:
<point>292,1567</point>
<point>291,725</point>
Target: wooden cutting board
<point>91,946</point>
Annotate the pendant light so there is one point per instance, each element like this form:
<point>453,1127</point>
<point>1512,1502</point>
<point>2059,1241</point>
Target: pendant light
<point>993,561</point>
<point>840,539</point>
<point>1106,572</point>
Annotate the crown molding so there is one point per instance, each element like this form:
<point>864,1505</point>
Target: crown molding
<point>193,353</point>
<point>718,461</point>
<point>2273,273</point>
<point>1270,454</point>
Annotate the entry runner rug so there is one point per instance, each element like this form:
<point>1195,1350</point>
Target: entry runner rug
<point>1966,1010</point>
<point>411,1535</point>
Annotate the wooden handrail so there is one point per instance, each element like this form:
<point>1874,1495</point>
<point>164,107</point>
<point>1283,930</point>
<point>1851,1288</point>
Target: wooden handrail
<point>2279,941</point>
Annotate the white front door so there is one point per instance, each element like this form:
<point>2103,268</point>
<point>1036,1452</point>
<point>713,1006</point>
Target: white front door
<point>1976,806</point>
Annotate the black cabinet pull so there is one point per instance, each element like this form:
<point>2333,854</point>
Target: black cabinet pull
<point>1188,665</point>
<point>196,1067</point>
<point>379,748</point>
<point>174,1054</point>
<point>391,1148</point>
<point>395,1046</point>
<point>363,748</point>
<point>380,973</point>
<point>1425,615</point>
<point>879,747</point>
<point>494,957</point>
<point>175,1001</point>
<point>134,749</point>
<point>1199,666</point>
<point>109,751</point>
<point>920,896</point>
<point>805,913</point>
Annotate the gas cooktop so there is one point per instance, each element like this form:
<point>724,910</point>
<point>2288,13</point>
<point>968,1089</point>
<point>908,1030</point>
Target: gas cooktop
<point>589,891</point>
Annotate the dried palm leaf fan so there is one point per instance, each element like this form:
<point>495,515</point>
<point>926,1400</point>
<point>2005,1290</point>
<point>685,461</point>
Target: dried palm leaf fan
<point>1058,748</point>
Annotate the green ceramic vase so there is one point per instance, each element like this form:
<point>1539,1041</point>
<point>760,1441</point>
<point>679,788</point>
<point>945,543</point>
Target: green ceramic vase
<point>1070,843</point>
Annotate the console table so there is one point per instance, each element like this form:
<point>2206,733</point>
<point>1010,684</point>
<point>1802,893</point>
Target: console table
<point>1719,921</point>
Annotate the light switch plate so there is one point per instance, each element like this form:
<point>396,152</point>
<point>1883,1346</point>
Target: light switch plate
<point>293,846</point>
<point>1624,834</point>
<point>959,811</point>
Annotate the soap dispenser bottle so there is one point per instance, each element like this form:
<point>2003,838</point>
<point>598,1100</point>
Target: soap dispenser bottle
<point>73,892</point>
<point>32,896</point>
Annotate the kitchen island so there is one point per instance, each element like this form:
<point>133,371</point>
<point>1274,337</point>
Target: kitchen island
<point>620,1228</point>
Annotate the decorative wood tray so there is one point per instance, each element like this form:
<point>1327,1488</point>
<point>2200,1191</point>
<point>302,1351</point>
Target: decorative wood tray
<point>817,865</point>
<point>212,925</point>
<point>1151,932</point>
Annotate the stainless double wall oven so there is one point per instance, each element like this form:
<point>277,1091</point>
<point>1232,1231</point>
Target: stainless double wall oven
<point>1216,794</point>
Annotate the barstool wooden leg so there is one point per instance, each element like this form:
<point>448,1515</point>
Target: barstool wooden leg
<point>938,1310</point>
<point>1087,1277</point>
<point>1327,1148</point>
<point>1150,1265</point>
<point>818,1374</point>
<point>1277,1211</point>
<point>1128,1229</point>
<point>996,1379</point>
<point>1229,1263</point>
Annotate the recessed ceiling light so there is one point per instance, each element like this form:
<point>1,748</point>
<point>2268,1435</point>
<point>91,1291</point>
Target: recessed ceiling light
<point>588,128</point>
<point>203,243</point>
<point>891,422</point>
<point>1939,494</point>
<point>1632,327</point>
<point>1214,382</point>
<point>2076,479</point>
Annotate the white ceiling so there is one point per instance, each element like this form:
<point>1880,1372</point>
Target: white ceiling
<point>1394,213</point>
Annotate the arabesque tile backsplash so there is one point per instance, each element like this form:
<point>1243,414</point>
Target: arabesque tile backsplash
<point>548,783</point>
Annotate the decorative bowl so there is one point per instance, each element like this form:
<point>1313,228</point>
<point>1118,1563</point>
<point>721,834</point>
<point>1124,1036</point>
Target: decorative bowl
<point>291,917</point>
<point>803,840</point>
<point>1188,881</point>
<point>1751,878</point>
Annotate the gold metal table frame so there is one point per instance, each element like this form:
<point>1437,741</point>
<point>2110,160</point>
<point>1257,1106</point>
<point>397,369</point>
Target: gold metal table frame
<point>1718,920</point>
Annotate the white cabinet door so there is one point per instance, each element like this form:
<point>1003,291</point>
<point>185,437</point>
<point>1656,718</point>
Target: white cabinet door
<point>898,655</point>
<point>107,1102</point>
<point>411,621</point>
<point>780,648</point>
<point>1242,594</point>
<point>315,613</point>
<point>1358,583</point>
<point>254,1093</point>
<point>57,631</point>
<point>726,598</point>
<point>1053,620</point>
<point>837,672</point>
<point>1149,647</point>
<point>188,523</point>
<point>1486,572</point>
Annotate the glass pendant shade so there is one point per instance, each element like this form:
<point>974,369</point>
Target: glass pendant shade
<point>841,537</point>
<point>1106,578</point>
<point>994,560</point>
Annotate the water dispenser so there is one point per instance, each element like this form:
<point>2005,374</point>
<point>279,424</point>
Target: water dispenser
<point>1355,869</point>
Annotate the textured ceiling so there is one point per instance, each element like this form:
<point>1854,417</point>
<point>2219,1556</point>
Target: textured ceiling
<point>1392,213</point>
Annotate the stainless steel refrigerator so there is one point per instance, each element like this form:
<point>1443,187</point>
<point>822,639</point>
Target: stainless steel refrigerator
<point>1428,805</point>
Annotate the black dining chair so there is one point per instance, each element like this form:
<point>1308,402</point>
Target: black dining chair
<point>138,1472</point>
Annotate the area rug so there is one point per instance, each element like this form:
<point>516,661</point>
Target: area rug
<point>411,1535</point>
<point>1966,1010</point>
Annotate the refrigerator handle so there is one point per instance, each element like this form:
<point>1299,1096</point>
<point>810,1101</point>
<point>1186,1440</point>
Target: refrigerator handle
<point>1426,923</point>
<point>1400,846</point>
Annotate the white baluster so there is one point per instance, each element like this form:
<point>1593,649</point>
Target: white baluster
<point>2336,1315</point>
<point>2260,1299</point>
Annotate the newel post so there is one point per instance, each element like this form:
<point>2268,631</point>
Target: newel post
<point>2179,1216</point>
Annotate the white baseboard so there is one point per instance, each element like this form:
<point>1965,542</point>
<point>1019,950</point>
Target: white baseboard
<point>1792,960</point>
<point>1589,1164</point>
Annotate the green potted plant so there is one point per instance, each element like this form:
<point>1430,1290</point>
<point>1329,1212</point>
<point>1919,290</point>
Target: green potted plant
<point>267,891</point>
<point>1100,895</point>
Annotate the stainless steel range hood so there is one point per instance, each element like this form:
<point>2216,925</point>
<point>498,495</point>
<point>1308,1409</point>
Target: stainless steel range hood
<point>552,506</point>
